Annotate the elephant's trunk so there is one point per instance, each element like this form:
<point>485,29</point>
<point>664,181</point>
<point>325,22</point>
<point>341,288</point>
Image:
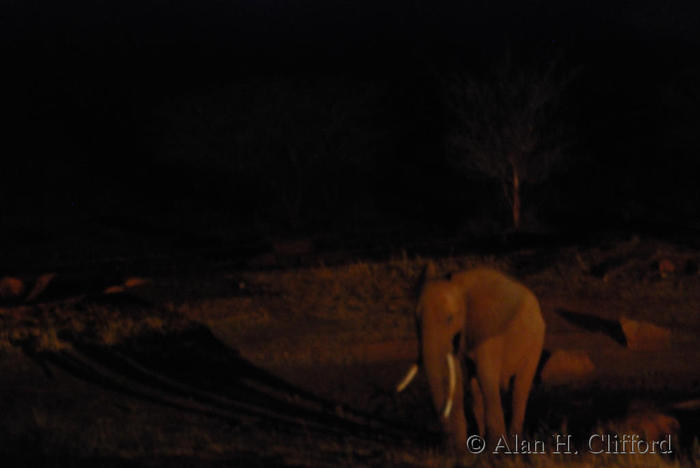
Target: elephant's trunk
<point>408,378</point>
<point>451,391</point>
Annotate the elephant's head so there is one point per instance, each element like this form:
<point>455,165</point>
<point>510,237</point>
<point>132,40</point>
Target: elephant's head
<point>440,316</point>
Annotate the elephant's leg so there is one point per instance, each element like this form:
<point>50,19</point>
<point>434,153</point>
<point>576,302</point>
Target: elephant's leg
<point>478,405</point>
<point>521,389</point>
<point>488,358</point>
<point>456,423</point>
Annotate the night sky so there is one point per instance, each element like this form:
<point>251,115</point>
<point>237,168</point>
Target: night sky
<point>134,125</point>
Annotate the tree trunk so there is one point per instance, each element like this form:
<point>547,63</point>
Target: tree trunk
<point>516,199</point>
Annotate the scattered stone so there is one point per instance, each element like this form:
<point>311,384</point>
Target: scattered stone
<point>688,405</point>
<point>114,289</point>
<point>645,336</point>
<point>129,283</point>
<point>565,366</point>
<point>11,287</point>
<point>666,268</point>
<point>42,282</point>
<point>135,281</point>
<point>648,424</point>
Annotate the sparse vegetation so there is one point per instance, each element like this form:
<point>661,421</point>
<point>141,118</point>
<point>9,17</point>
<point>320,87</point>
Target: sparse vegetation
<point>337,332</point>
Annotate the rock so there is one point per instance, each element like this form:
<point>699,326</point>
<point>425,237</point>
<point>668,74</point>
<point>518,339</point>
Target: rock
<point>136,281</point>
<point>645,336</point>
<point>565,366</point>
<point>688,405</point>
<point>42,282</point>
<point>649,424</point>
<point>131,282</point>
<point>11,287</point>
<point>666,268</point>
<point>114,289</point>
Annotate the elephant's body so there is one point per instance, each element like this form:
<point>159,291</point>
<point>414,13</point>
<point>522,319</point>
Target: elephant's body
<point>493,320</point>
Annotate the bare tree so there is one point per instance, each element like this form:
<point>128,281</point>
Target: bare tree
<point>507,125</point>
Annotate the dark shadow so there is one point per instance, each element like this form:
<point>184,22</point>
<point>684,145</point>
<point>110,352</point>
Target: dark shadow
<point>544,357</point>
<point>591,323</point>
<point>191,370</point>
<point>248,458</point>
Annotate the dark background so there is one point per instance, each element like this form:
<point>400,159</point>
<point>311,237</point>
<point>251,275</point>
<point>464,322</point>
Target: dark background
<point>156,126</point>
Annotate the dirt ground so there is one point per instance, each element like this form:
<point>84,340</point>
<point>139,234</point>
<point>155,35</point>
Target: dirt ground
<point>297,367</point>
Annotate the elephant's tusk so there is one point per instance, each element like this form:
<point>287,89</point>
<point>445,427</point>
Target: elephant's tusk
<point>408,378</point>
<point>450,395</point>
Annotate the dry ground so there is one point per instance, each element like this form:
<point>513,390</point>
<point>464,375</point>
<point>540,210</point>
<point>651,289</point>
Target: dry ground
<point>297,367</point>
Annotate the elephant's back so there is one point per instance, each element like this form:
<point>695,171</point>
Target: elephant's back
<point>492,299</point>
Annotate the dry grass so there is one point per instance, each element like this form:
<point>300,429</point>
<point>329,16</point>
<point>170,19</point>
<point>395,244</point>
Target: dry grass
<point>51,327</point>
<point>316,315</point>
<point>274,313</point>
<point>374,301</point>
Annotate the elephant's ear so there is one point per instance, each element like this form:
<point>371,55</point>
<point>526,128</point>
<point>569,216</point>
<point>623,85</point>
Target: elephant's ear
<point>429,273</point>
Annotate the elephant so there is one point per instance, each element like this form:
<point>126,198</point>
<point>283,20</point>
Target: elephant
<point>487,326</point>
